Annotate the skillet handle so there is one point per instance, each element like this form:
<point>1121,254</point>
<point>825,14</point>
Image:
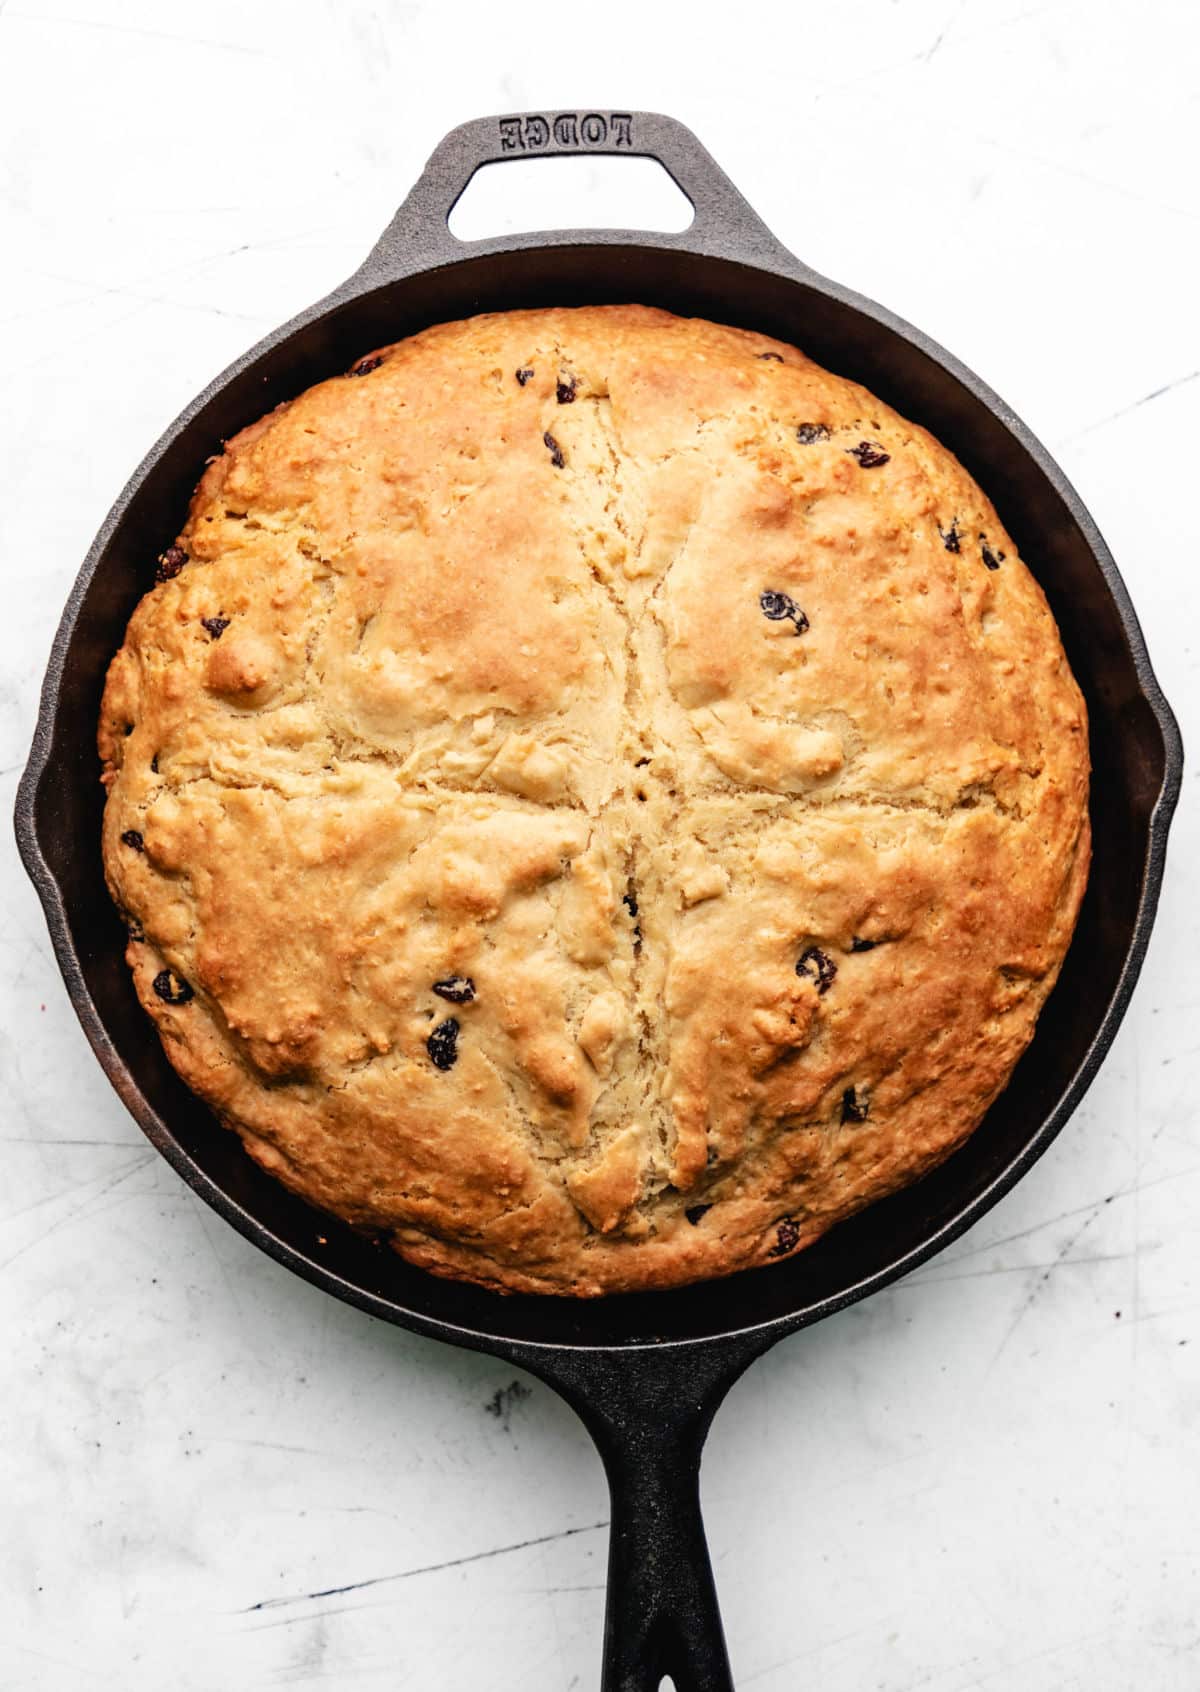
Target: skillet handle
<point>649,1413</point>
<point>418,236</point>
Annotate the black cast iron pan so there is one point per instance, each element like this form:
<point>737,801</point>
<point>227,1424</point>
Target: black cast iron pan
<point>647,1372</point>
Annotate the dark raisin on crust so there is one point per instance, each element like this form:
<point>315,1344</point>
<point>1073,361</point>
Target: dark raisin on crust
<point>869,454</point>
<point>565,390</point>
<point>992,559</point>
<point>459,989</point>
<point>524,374</point>
<point>154,763</point>
<point>858,944</point>
<point>816,965</point>
<point>856,1104</point>
<point>694,1212</point>
<point>556,452</point>
<point>129,728</point>
<point>950,537</point>
<point>442,1044</point>
<point>170,563</point>
<point>629,900</point>
<point>776,606</point>
<point>809,433</point>
<point>364,366</point>
<point>216,626</point>
<point>787,1238</point>
<point>172,989</point>
<point>132,837</point>
<point>776,357</point>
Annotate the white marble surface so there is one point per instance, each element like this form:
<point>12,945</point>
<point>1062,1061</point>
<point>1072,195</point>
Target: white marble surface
<point>984,1478</point>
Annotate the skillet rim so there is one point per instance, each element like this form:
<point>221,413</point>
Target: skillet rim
<point>358,288</point>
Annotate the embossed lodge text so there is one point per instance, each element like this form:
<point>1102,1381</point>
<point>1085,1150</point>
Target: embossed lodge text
<point>568,129</point>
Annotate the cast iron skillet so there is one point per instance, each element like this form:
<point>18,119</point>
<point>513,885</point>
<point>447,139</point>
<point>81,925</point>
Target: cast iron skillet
<point>646,1372</point>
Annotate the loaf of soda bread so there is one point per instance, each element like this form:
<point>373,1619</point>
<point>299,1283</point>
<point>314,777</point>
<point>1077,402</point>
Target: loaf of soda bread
<point>597,798</point>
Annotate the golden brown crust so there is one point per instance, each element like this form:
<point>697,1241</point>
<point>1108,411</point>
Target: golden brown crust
<point>470,678</point>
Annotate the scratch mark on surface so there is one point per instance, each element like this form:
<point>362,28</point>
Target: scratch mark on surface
<point>60,1140</point>
<point>961,39</point>
<point>185,270</point>
<point>1092,1208</point>
<point>1134,405</point>
<point>107,1186</point>
<point>1101,182</point>
<point>424,1569</point>
<point>797,1657</point>
<point>942,33</point>
<point>129,291</point>
<point>230,1288</point>
<point>189,305</point>
<point>278,1445</point>
<point>1046,1651</point>
<point>1039,1286</point>
<point>978,184</point>
<point>1020,1268</point>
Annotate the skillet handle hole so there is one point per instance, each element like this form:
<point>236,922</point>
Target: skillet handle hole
<point>569,192</point>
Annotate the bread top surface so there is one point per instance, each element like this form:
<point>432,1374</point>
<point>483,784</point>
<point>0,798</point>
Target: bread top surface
<point>600,798</point>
